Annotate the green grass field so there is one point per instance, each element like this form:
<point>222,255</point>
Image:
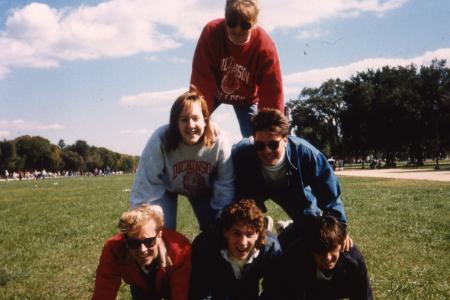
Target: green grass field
<point>52,232</point>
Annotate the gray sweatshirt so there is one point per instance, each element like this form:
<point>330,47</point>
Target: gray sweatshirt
<point>190,170</point>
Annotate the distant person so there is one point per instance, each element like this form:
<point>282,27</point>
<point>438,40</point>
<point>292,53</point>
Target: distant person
<point>230,263</point>
<point>318,268</point>
<point>288,170</point>
<point>153,260</point>
<point>186,157</point>
<point>236,62</point>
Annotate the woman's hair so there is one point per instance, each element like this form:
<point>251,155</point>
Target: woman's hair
<point>272,120</point>
<point>245,10</point>
<point>132,221</point>
<point>185,102</point>
<point>326,234</point>
<point>245,212</point>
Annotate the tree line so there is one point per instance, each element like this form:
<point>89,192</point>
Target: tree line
<point>29,153</point>
<point>392,113</point>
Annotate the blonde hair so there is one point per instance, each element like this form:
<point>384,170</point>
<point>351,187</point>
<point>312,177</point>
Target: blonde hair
<point>134,219</point>
<point>186,101</point>
<point>246,10</point>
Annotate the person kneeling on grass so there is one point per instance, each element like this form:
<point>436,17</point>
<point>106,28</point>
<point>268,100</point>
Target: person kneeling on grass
<point>153,260</point>
<point>322,270</point>
<point>230,262</point>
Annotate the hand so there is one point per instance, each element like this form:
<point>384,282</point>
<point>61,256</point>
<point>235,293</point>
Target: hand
<point>347,244</point>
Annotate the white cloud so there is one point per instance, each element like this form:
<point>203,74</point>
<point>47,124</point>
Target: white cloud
<point>135,131</point>
<point>295,82</point>
<point>39,36</point>
<point>4,133</point>
<point>310,33</point>
<point>28,125</point>
<point>155,100</point>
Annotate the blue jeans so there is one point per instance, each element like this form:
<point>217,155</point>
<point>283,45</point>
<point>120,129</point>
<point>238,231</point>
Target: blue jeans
<point>244,115</point>
<point>202,209</point>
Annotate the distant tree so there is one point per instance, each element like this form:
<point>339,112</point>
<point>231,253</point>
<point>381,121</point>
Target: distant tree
<point>8,156</point>
<point>61,144</point>
<point>34,152</point>
<point>73,161</point>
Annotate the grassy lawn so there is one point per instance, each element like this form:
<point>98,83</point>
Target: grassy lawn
<point>52,232</point>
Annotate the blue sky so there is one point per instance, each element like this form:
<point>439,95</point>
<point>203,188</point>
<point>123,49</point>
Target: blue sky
<point>108,71</point>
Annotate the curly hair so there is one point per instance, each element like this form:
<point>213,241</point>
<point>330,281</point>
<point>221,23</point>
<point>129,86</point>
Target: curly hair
<point>185,102</point>
<point>245,212</point>
<point>134,219</point>
<point>270,119</point>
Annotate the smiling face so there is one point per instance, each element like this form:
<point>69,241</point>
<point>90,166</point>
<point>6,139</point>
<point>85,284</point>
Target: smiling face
<point>240,240</point>
<point>239,35</point>
<point>191,124</point>
<point>142,254</point>
<point>327,261</point>
<point>268,156</point>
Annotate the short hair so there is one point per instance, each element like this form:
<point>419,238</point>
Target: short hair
<point>270,119</point>
<point>132,221</point>
<point>326,234</point>
<point>246,10</point>
<point>245,212</point>
<point>186,101</point>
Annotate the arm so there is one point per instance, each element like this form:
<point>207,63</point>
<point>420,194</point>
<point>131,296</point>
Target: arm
<point>180,277</point>
<point>361,285</point>
<point>223,189</point>
<point>148,184</point>
<point>272,281</point>
<point>203,67</point>
<point>270,83</point>
<point>202,273</point>
<point>108,277</point>
<point>324,184</point>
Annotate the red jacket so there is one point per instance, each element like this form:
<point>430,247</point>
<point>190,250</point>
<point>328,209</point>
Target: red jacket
<point>237,74</point>
<point>116,264</point>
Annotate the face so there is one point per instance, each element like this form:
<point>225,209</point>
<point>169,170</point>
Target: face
<point>239,32</point>
<point>268,156</point>
<point>142,254</point>
<point>191,124</point>
<point>240,240</point>
<point>327,261</point>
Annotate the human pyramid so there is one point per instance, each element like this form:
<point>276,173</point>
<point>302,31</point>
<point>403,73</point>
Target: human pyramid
<point>236,255</point>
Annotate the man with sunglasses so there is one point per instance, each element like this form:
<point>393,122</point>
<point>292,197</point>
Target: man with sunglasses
<point>288,170</point>
<point>236,62</point>
<point>153,260</point>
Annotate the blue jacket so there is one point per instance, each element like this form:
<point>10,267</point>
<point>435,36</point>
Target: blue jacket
<point>212,276</point>
<point>311,187</point>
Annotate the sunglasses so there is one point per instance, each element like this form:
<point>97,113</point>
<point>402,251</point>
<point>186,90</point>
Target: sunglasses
<point>136,243</point>
<point>243,24</point>
<point>273,145</point>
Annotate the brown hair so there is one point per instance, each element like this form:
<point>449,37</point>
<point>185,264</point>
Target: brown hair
<point>186,101</point>
<point>247,213</point>
<point>326,234</point>
<point>270,119</point>
<point>134,219</point>
<point>244,10</point>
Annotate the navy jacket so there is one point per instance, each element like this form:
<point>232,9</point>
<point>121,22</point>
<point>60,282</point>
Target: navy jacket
<point>299,281</point>
<point>311,187</point>
<point>212,277</point>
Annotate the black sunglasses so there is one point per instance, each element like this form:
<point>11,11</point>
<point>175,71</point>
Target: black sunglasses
<point>273,145</point>
<point>243,24</point>
<point>136,243</point>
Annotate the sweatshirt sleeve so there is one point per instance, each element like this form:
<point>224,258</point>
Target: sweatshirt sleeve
<point>108,278</point>
<point>270,90</point>
<point>148,184</point>
<point>223,187</point>
<point>202,75</point>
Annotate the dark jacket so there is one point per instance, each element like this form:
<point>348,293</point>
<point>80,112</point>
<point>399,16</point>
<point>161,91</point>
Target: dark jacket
<point>212,276</point>
<point>299,280</point>
<point>311,187</point>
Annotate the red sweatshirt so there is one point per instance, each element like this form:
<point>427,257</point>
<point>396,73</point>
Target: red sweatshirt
<point>116,264</point>
<point>237,74</point>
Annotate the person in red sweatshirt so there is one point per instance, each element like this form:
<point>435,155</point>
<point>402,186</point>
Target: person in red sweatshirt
<point>153,260</point>
<point>236,62</point>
